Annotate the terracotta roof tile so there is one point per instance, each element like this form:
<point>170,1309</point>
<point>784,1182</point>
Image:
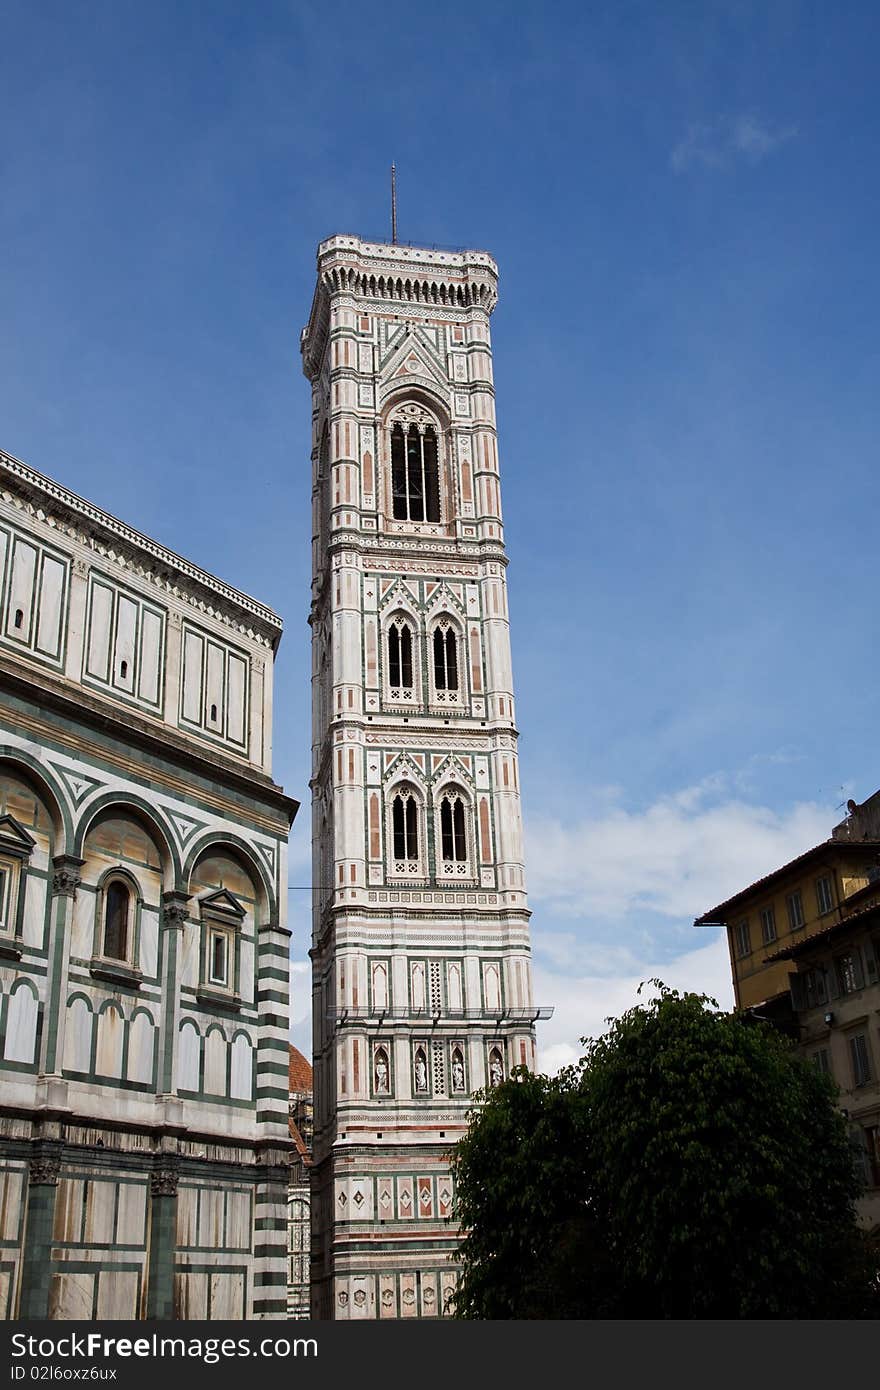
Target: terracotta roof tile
<point>299,1071</point>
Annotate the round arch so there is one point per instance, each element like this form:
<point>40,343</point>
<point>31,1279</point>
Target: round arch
<point>219,839</point>
<point>132,803</point>
<point>50,788</point>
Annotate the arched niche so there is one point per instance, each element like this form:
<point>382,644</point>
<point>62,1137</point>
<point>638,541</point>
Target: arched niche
<point>227,897</point>
<point>31,832</point>
<point>122,851</point>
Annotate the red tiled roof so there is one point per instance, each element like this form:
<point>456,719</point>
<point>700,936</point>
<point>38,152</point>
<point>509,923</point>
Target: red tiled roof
<point>715,914</point>
<point>299,1071</point>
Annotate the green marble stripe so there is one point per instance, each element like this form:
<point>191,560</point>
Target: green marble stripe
<point>272,996</point>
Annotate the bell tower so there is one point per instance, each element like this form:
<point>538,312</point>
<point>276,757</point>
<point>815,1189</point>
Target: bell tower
<point>421,965</point>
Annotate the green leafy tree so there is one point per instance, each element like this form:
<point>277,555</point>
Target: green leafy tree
<point>690,1166</point>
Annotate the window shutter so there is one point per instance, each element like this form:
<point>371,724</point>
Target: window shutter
<point>858,970</point>
<point>798,992</point>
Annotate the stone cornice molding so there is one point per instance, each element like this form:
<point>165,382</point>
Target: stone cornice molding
<point>415,279</point>
<point>75,518</point>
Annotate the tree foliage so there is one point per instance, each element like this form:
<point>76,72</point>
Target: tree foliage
<point>691,1165</point>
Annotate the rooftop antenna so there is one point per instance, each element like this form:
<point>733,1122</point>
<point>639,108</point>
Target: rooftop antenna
<point>393,206</point>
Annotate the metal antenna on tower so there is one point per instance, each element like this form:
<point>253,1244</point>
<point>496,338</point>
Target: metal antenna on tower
<point>393,206</point>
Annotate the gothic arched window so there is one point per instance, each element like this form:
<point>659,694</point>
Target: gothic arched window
<point>453,833</point>
<point>117,906</point>
<point>400,663</point>
<point>445,658</point>
<point>415,479</point>
<point>405,825</point>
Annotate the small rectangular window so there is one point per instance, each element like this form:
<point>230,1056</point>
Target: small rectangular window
<point>219,958</point>
<point>820,1061</point>
<point>4,884</point>
<point>860,1059</point>
<point>768,925</point>
<point>743,939</point>
<point>824,895</point>
<point>795,911</point>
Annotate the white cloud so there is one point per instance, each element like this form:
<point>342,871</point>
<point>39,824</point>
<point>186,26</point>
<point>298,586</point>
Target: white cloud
<point>716,144</point>
<point>645,874</point>
<point>677,857</point>
<point>584,1003</point>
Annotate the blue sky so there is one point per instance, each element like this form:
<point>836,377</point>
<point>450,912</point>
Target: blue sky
<point>683,201</point>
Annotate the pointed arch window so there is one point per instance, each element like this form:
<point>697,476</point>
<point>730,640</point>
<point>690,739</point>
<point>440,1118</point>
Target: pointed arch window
<point>415,480</point>
<point>452,831</point>
<point>400,662</point>
<point>405,824</point>
<point>445,659</point>
<point>405,833</point>
<point>454,840</point>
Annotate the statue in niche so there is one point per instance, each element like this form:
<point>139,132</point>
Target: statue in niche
<point>381,1067</point>
<point>457,1071</point>
<point>496,1070</point>
<point>421,1072</point>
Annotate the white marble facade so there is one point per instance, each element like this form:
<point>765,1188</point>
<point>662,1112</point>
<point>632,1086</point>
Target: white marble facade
<point>421,961</point>
<point>143,941</point>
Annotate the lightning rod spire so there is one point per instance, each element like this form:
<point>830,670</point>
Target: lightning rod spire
<point>393,205</point>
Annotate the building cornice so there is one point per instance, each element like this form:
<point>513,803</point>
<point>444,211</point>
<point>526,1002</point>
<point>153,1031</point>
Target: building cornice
<point>82,521</point>
<point>419,278</point>
<point>78,708</point>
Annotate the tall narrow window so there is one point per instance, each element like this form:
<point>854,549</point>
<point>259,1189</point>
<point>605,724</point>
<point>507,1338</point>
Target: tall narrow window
<point>795,910</point>
<point>743,938</point>
<point>415,491</point>
<point>404,816</point>
<point>452,830</point>
<point>445,658</point>
<point>116,908</point>
<point>218,974</point>
<point>400,667</point>
<point>860,1059</point>
<point>824,895</point>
